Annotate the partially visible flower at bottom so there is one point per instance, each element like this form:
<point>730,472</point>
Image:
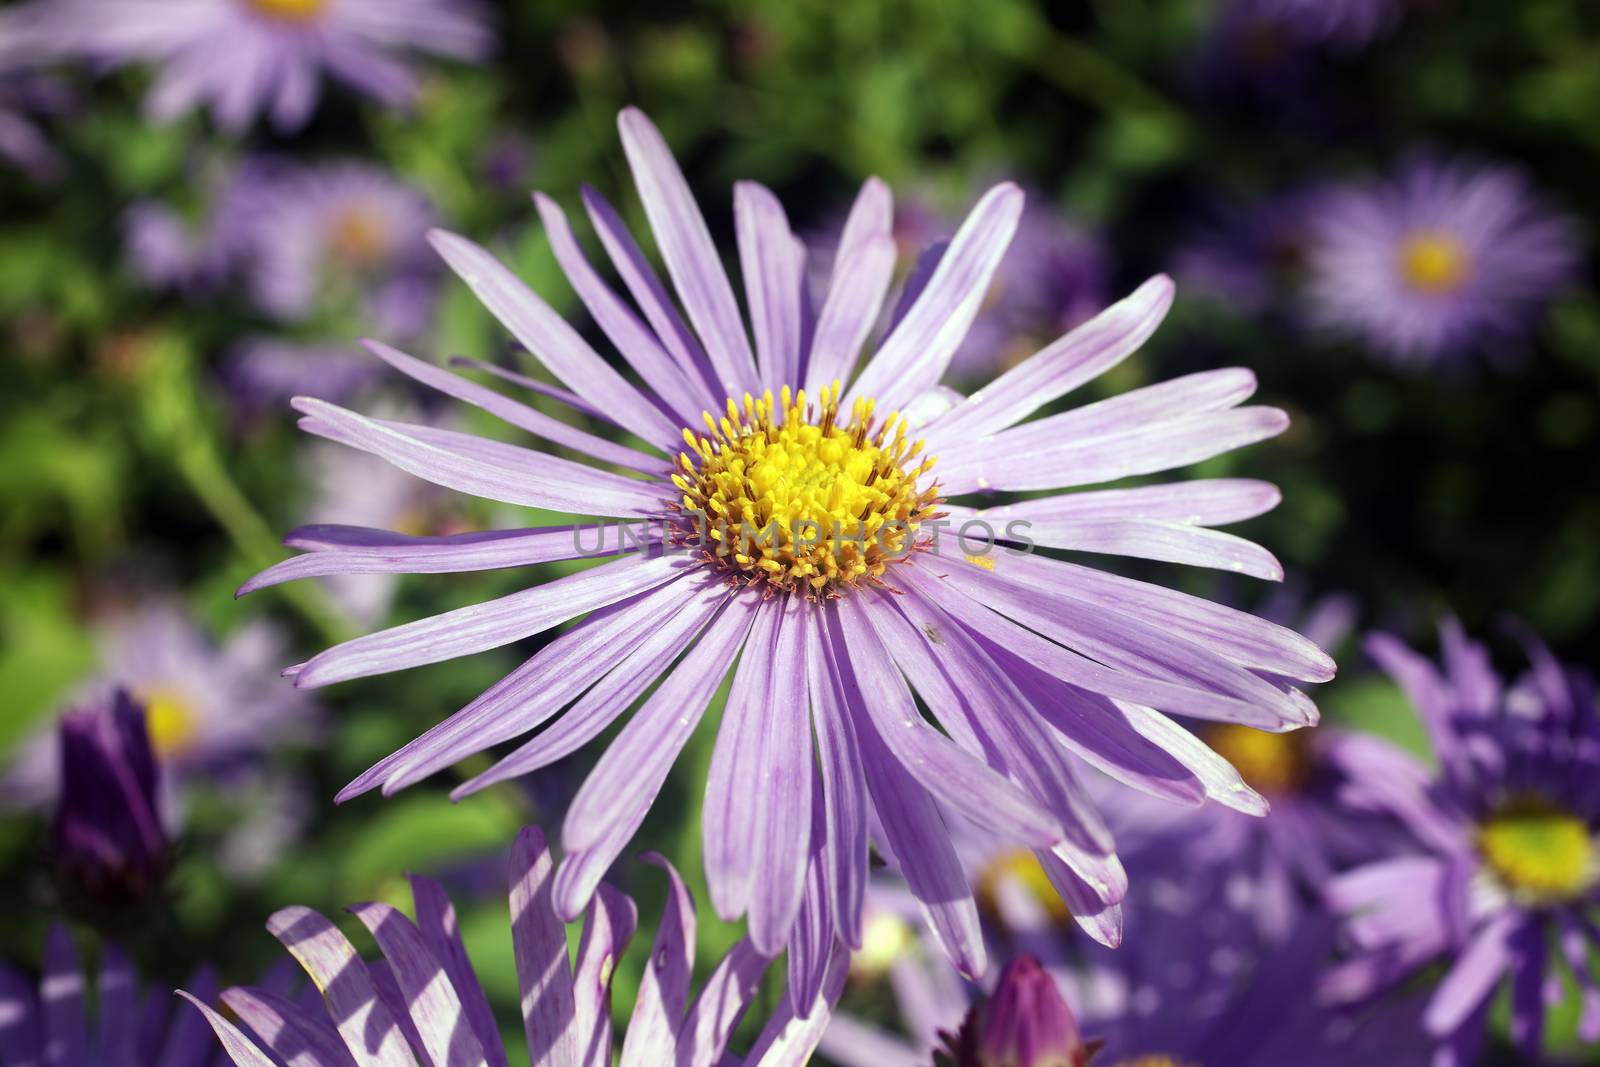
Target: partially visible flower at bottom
<point>1024,1023</point>
<point>109,841</point>
<point>425,999</point>
<point>1505,862</point>
<point>52,1023</point>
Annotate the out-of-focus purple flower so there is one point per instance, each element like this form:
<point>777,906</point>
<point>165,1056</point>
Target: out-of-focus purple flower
<point>68,1020</point>
<point>425,1000</point>
<point>243,58</point>
<point>1198,985</point>
<point>1246,256</point>
<point>208,708</point>
<point>168,251</point>
<point>1022,659</point>
<point>1340,23</point>
<point>334,235</point>
<point>1442,259</point>
<point>263,372</point>
<point>1505,864</point>
<point>27,41</point>
<point>109,841</point>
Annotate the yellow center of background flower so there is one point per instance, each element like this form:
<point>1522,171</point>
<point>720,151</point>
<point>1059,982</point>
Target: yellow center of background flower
<point>170,721</point>
<point>1021,866</point>
<point>1271,763</point>
<point>358,236</point>
<point>1539,851</point>
<point>1433,262</point>
<point>885,937</point>
<point>1158,1060</point>
<point>290,10</point>
<point>791,496</point>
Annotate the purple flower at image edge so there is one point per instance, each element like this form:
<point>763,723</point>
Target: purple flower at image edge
<point>65,1019</point>
<point>424,997</point>
<point>244,58</point>
<point>1441,260</point>
<point>1027,662</point>
<point>1504,865</point>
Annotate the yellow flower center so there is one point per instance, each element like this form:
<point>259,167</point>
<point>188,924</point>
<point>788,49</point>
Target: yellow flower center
<point>790,496</point>
<point>885,937</point>
<point>1020,865</point>
<point>289,10</point>
<point>358,236</point>
<point>1272,763</point>
<point>1433,262</point>
<point>1156,1060</point>
<point>1539,851</point>
<point>170,721</point>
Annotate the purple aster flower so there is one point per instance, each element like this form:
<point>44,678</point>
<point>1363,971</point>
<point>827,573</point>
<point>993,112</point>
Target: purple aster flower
<point>68,1020</point>
<point>242,58</point>
<point>1443,258</point>
<point>839,598</point>
<point>1199,985</point>
<point>1506,866</point>
<point>263,372</point>
<point>109,841</point>
<point>423,999</point>
<point>208,707</point>
<point>334,235</point>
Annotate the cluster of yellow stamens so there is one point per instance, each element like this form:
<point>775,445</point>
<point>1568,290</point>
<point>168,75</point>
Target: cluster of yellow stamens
<point>1538,851</point>
<point>788,495</point>
<point>1433,262</point>
<point>1274,764</point>
<point>290,10</point>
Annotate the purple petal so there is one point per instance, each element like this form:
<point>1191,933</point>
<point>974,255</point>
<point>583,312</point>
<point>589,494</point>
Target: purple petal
<point>530,694</point>
<point>721,1004</point>
<point>1473,976</point>
<point>664,986</point>
<point>235,1044</point>
<point>20,1038</point>
<point>435,1009</point>
<point>552,340</point>
<point>1202,502</point>
<point>1079,357</point>
<point>484,468</point>
<point>915,354</point>
<point>549,1015</point>
<point>772,271</point>
<point>436,921</point>
<point>790,1038</point>
<point>607,929</point>
<point>852,306</point>
<point>288,1030</point>
<point>632,338</point>
<point>488,625</point>
<point>61,997</point>
<point>844,842</point>
<point>689,253</point>
<point>513,413</point>
<point>610,697</point>
<point>368,1030</point>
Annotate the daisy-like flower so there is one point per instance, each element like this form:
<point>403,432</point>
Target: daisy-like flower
<point>1507,865</point>
<point>337,235</point>
<point>68,1020</point>
<point>792,525</point>
<point>243,58</point>
<point>208,707</point>
<point>1199,986</point>
<point>423,1002</point>
<point>1442,259</point>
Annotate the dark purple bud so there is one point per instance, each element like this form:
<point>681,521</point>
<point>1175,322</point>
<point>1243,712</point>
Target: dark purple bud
<point>109,842</point>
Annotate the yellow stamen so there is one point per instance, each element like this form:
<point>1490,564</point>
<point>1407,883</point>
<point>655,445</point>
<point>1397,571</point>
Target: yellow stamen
<point>290,10</point>
<point>1022,866</point>
<point>792,496</point>
<point>1538,851</point>
<point>885,937</point>
<point>1274,764</point>
<point>170,721</point>
<point>1433,262</point>
<point>359,237</point>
